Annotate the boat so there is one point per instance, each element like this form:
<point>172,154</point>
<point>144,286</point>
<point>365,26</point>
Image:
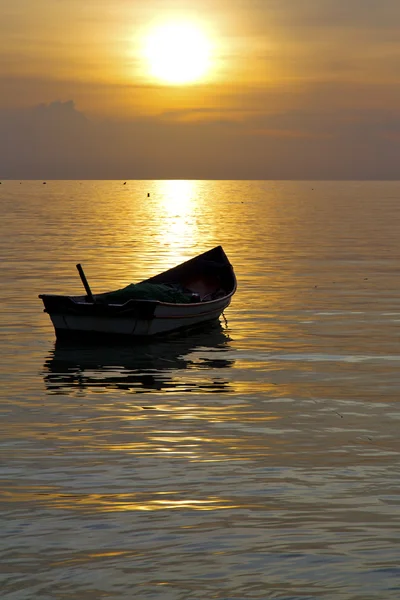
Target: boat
<point>190,295</point>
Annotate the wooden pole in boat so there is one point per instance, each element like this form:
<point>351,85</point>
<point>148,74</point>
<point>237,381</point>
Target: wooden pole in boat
<point>85,283</point>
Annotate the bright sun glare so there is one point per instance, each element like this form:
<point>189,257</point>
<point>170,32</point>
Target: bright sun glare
<point>178,53</point>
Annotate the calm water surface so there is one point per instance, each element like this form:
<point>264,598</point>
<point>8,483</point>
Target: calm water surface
<point>254,460</point>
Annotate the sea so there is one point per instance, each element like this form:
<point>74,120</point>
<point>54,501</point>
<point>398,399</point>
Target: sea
<point>257,459</point>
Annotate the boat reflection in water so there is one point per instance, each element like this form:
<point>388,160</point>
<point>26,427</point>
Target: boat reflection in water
<point>177,364</point>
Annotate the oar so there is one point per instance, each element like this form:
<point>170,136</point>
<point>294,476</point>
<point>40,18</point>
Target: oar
<point>85,283</point>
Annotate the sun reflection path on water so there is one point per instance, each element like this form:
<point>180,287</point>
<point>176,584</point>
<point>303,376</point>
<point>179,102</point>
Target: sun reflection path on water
<point>178,227</point>
<point>178,220</point>
<point>177,195</point>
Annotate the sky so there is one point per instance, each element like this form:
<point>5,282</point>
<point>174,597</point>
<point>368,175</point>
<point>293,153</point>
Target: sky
<point>292,89</point>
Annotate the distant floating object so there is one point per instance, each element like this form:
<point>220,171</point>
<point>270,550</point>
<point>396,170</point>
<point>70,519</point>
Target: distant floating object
<point>44,183</point>
<point>148,194</point>
<point>124,182</point>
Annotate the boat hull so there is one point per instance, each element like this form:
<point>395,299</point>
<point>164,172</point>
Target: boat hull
<point>166,319</point>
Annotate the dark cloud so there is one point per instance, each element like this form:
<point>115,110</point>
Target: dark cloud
<point>57,141</point>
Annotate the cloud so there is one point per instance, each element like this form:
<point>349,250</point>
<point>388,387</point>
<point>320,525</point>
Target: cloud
<point>57,141</point>
<point>328,13</point>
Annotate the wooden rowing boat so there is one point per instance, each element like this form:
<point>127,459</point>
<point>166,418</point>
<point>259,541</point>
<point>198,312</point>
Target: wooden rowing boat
<point>197,292</point>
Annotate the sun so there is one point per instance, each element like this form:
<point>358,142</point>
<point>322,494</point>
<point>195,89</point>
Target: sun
<point>178,53</point>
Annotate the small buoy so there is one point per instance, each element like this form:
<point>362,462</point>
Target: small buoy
<point>124,182</point>
<point>148,194</point>
<point>44,183</point>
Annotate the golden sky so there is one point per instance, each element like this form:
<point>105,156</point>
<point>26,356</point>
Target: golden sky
<point>268,61</point>
<point>92,51</point>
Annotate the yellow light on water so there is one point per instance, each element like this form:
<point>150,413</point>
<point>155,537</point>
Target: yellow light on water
<point>178,195</point>
<point>178,225</point>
